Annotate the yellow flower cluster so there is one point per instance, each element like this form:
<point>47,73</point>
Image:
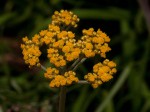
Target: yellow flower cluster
<point>31,52</point>
<point>93,43</point>
<point>102,72</point>
<point>63,48</point>
<point>65,18</point>
<point>60,80</point>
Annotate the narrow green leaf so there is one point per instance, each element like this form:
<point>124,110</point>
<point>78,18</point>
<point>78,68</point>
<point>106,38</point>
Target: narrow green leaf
<point>15,85</point>
<point>107,14</point>
<point>6,17</point>
<point>21,17</point>
<point>80,100</point>
<point>89,99</point>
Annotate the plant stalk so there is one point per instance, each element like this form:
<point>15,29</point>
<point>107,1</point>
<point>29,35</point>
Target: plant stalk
<point>62,99</point>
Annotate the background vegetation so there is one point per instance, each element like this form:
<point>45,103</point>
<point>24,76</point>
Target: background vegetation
<point>126,22</point>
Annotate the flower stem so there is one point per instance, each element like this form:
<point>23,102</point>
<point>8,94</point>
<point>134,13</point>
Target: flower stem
<point>83,82</point>
<point>74,64</point>
<point>62,99</point>
<point>80,62</point>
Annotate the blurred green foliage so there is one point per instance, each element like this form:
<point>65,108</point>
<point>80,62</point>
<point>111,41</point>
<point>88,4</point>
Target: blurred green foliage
<point>25,90</point>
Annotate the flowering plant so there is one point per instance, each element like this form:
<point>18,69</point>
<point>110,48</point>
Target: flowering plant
<point>63,48</point>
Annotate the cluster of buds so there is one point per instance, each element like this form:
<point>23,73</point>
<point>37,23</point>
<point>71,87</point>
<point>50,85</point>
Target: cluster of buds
<point>63,48</point>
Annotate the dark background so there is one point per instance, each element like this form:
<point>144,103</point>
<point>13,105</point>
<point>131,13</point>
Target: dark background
<point>126,22</point>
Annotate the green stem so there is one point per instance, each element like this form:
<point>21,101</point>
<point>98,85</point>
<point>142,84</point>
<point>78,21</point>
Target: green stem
<point>62,99</point>
<point>83,82</point>
<point>80,62</point>
<point>62,96</point>
<point>72,66</point>
<point>76,63</point>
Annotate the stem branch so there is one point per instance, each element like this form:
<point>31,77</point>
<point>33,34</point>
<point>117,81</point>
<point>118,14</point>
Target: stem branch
<point>80,62</point>
<point>83,82</point>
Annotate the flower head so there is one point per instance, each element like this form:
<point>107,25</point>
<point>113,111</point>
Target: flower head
<point>63,48</point>
<point>31,52</point>
<point>65,17</point>
<point>102,72</point>
<point>57,80</point>
<point>93,42</point>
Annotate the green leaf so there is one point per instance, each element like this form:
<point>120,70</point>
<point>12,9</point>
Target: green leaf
<point>6,17</point>
<point>15,85</point>
<point>21,17</point>
<point>89,99</point>
<point>80,100</point>
<point>106,14</point>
